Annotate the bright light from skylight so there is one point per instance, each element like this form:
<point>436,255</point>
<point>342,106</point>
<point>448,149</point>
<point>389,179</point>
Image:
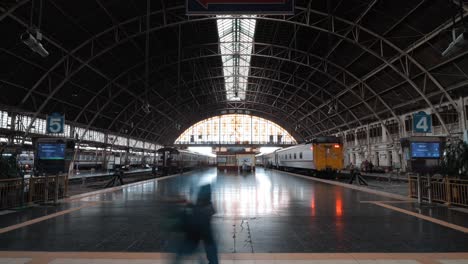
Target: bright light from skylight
<point>236,35</point>
<point>267,150</point>
<point>203,150</point>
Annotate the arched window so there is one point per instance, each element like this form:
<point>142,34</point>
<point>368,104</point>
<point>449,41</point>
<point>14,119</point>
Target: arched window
<point>236,129</point>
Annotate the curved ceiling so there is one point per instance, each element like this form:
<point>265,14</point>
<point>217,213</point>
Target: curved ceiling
<point>374,59</point>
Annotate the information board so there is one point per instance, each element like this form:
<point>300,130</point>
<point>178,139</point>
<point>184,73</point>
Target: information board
<point>51,151</point>
<point>425,150</point>
<point>248,7</point>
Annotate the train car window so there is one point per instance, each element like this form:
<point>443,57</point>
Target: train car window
<point>290,156</point>
<point>300,155</point>
<point>295,156</point>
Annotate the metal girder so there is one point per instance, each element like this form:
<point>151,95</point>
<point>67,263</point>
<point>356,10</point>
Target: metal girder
<point>404,54</point>
<point>248,91</point>
<point>328,75</point>
<point>275,58</point>
<point>354,42</point>
<point>356,21</point>
<point>176,62</point>
<point>385,61</point>
<point>12,9</point>
<point>69,75</point>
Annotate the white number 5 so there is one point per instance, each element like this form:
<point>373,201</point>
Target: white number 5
<point>55,125</point>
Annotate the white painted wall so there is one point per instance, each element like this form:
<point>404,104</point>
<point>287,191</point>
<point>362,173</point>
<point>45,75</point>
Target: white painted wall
<point>386,150</point>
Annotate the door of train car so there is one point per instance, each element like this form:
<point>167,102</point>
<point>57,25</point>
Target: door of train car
<point>328,155</point>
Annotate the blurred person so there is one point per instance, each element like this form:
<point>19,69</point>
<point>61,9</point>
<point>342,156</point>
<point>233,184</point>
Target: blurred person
<point>196,227</point>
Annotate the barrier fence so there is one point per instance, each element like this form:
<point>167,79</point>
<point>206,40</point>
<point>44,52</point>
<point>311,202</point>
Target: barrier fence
<point>445,190</point>
<point>15,192</point>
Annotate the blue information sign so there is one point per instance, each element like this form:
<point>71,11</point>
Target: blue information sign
<point>422,123</point>
<point>55,123</point>
<point>426,150</point>
<point>217,7</point>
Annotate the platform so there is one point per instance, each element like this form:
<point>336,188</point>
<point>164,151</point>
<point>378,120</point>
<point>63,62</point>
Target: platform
<point>258,215</point>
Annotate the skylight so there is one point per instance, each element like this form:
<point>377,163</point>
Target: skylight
<point>236,35</point>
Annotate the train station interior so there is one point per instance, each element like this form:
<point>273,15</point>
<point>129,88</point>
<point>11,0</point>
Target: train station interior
<point>234,131</point>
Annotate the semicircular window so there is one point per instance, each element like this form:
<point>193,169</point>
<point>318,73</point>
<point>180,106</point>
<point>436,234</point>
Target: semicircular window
<point>235,129</point>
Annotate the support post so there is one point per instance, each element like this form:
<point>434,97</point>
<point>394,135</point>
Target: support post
<point>46,188</point>
<point>32,182</point>
<point>56,189</point>
<point>418,183</point>
<point>448,190</point>
<point>429,189</point>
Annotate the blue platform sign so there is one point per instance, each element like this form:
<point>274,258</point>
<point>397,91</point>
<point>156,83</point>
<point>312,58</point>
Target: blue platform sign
<point>55,123</point>
<point>231,7</point>
<point>422,123</point>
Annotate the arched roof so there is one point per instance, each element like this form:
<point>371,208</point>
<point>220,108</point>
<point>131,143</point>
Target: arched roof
<point>374,59</point>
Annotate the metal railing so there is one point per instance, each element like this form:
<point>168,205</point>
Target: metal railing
<point>15,192</point>
<point>12,193</point>
<point>445,190</point>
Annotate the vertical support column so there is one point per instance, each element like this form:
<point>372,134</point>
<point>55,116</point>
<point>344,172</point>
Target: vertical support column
<point>72,132</point>
<point>429,189</point>
<point>56,191</point>
<point>369,151</point>
<point>462,116</point>
<point>418,186</point>
<point>105,160</point>
<point>385,133</point>
<point>46,188</point>
<point>403,134</point>
<point>12,127</point>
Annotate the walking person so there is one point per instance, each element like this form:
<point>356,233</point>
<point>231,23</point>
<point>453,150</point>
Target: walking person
<point>196,225</point>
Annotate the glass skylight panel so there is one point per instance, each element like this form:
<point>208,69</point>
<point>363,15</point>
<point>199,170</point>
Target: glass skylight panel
<point>236,35</point>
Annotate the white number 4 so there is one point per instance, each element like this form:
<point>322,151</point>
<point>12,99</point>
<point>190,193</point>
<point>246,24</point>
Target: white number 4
<point>422,124</point>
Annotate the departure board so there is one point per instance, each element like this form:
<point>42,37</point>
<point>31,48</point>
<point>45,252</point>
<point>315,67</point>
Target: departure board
<point>51,151</point>
<point>428,150</point>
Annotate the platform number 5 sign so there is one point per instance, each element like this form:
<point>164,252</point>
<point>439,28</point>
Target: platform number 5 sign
<point>422,123</point>
<point>55,123</point>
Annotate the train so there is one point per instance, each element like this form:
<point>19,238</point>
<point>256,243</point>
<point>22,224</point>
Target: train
<point>94,160</point>
<point>171,160</point>
<point>323,155</point>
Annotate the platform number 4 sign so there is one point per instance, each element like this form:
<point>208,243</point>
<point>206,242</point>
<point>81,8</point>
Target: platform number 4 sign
<point>422,123</point>
<point>55,123</point>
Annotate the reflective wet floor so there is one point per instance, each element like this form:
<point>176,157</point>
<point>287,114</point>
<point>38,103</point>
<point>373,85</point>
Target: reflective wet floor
<point>264,212</point>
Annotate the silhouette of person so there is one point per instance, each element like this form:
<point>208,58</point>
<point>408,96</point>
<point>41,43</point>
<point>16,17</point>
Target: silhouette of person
<point>197,227</point>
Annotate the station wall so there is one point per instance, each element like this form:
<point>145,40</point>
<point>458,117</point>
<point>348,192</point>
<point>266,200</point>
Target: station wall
<point>382,147</point>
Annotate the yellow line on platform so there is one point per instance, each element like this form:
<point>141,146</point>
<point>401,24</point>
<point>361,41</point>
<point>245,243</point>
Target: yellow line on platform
<point>108,257</point>
<point>395,202</point>
<point>117,188</point>
<point>350,186</point>
<point>43,218</point>
<point>424,217</point>
<point>77,197</point>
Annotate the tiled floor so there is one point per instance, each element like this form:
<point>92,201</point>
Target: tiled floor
<point>262,213</point>
<point>131,258</point>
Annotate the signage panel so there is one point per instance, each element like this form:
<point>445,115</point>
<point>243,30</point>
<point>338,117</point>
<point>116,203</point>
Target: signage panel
<point>231,7</point>
<point>51,151</point>
<point>55,123</point>
<point>422,123</point>
<point>425,150</point>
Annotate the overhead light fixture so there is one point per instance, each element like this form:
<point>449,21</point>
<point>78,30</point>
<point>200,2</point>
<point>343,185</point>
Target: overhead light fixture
<point>457,44</point>
<point>146,108</point>
<point>460,42</point>
<point>34,42</point>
